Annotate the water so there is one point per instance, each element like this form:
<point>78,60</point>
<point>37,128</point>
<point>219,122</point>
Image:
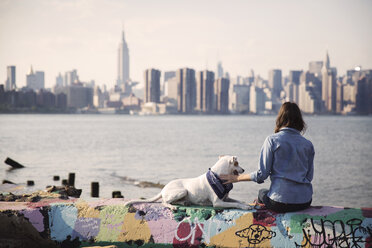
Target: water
<point>105,148</point>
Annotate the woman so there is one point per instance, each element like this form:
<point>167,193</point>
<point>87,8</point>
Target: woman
<point>287,157</point>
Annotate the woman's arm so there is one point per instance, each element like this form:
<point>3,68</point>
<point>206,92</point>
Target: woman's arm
<point>235,178</point>
<point>264,167</point>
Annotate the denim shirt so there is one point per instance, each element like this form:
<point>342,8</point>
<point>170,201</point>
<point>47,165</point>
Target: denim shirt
<point>288,158</point>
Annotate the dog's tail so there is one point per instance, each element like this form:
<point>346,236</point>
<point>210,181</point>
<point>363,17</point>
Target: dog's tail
<point>155,198</point>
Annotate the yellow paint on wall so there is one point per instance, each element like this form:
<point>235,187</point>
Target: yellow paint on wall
<point>112,219</point>
<point>134,229</point>
<point>85,211</point>
<point>229,238</point>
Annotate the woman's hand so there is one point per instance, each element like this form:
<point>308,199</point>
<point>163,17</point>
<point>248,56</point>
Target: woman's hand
<point>229,178</point>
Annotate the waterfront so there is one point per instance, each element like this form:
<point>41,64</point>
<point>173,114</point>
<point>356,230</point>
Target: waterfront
<point>105,148</point>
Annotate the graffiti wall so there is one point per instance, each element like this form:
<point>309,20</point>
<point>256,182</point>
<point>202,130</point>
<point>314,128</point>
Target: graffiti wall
<point>80,223</point>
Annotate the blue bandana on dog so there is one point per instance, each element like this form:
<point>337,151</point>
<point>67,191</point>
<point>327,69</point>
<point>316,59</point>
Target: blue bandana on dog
<point>217,185</point>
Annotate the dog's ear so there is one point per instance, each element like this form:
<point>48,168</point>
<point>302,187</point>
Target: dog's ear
<point>219,157</point>
<point>233,159</point>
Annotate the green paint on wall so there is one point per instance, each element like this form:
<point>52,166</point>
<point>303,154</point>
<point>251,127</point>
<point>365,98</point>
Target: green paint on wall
<point>298,220</point>
<point>203,213</point>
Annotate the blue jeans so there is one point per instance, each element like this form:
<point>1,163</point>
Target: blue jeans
<point>279,207</point>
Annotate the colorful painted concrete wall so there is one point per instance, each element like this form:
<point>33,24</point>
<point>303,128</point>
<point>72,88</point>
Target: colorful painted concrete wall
<point>106,222</point>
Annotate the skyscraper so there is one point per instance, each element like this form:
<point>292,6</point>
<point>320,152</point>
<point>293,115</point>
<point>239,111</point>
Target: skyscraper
<point>363,96</point>
<point>10,83</point>
<point>256,99</point>
<point>35,80</point>
<point>239,98</point>
<point>275,82</point>
<point>219,70</point>
<point>221,90</point>
<point>167,78</point>
<point>316,68</point>
<point>168,75</point>
<point>294,76</point>
<point>308,101</point>
<point>59,80</point>
<point>186,97</point>
<point>123,62</point>
<point>71,77</point>
<point>152,85</point>
<point>328,85</point>
<point>204,91</point>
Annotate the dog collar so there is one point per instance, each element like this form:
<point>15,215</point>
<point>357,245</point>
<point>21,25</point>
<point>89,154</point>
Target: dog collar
<point>217,185</point>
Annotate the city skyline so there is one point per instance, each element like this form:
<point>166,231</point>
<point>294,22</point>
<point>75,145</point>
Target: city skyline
<point>269,36</point>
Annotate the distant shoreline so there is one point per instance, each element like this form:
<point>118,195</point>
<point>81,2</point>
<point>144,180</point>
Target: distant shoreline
<point>170,114</point>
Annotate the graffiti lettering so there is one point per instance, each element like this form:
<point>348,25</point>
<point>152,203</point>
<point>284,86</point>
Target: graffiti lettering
<point>325,233</point>
<point>193,229</point>
<point>255,233</point>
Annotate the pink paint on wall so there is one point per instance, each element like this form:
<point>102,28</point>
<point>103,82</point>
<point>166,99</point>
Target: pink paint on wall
<point>162,230</point>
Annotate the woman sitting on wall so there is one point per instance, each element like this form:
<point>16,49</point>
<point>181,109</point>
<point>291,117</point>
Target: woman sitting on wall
<point>287,157</point>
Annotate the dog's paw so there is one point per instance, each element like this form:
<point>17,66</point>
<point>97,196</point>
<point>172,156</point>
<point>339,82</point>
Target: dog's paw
<point>170,206</point>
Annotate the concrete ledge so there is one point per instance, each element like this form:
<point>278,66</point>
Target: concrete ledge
<point>78,223</point>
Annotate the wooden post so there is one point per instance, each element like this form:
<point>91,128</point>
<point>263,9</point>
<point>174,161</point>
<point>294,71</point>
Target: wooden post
<point>94,189</point>
<point>64,182</point>
<point>117,194</point>
<point>71,179</point>
<point>13,163</point>
<point>7,181</point>
<point>55,178</point>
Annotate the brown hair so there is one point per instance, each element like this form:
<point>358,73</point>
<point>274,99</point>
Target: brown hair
<point>290,116</point>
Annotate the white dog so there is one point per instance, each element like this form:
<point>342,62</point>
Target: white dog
<point>205,190</point>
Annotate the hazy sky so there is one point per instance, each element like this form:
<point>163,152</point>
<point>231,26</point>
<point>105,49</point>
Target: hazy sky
<point>60,35</point>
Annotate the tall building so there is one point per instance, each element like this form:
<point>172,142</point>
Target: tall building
<point>308,101</point>
<point>328,86</point>
<point>363,97</point>
<point>339,96</point>
<point>172,91</point>
<point>186,94</point>
<point>79,96</point>
<point>294,77</point>
<point>219,70</point>
<point>123,62</point>
<point>204,91</point>
<point>239,98</point>
<point>152,85</point>
<point>71,77</point>
<point>35,80</point>
<point>10,83</point>
<point>250,78</point>
<point>221,99</point>
<point>275,82</point>
<point>98,97</point>
<point>316,68</point>
<point>59,80</point>
<point>291,92</point>
<point>257,99</point>
<point>168,75</point>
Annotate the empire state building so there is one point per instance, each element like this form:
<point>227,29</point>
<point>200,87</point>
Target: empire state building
<point>123,63</point>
